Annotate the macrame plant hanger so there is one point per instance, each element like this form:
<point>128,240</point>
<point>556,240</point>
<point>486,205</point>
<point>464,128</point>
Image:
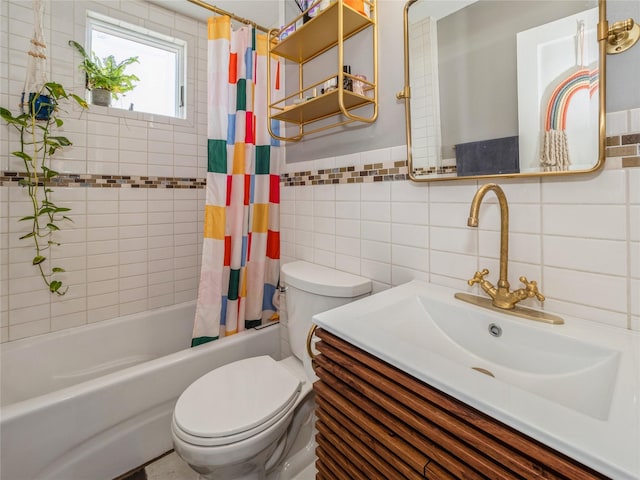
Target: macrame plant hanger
<point>32,99</point>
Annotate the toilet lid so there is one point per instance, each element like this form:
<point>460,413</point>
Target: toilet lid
<point>236,397</point>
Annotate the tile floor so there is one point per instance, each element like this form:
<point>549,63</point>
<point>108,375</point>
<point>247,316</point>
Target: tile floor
<point>171,467</point>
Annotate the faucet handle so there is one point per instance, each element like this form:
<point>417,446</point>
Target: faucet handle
<point>531,289</point>
<point>478,277</point>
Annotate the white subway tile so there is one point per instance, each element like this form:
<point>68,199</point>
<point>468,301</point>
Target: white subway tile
<point>453,240</point>
<point>410,235</point>
<point>589,255</point>
<point>617,123</point>
<point>522,247</point>
<point>409,192</point>
<point>590,221</point>
<point>348,263</point>
<point>634,259</point>
<point>324,193</point>
<point>376,192</point>
<point>324,257</point>
<point>347,210</point>
<point>452,264</point>
<point>410,257</point>
<point>585,312</point>
<point>347,192</point>
<point>400,275</point>
<point>634,120</point>
<point>348,246</point>
<point>410,213</point>
<point>29,314</point>
<point>99,301</point>
<point>377,211</point>
<point>634,293</point>
<point>586,288</point>
<point>378,251</point>
<point>634,224</point>
<point>70,320</point>
<point>324,225</point>
<point>376,271</point>
<point>378,231</point>
<point>461,191</point>
<point>579,189</point>
<point>448,214</point>
<point>634,185</point>
<point>324,209</point>
<point>100,274</point>
<point>29,329</point>
<point>107,312</point>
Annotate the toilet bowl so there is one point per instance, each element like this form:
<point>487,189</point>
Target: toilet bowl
<point>241,420</point>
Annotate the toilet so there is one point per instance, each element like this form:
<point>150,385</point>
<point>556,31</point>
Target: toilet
<point>241,420</point>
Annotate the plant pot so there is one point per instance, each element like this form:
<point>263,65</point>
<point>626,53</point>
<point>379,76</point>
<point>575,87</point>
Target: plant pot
<point>100,96</point>
<point>42,105</point>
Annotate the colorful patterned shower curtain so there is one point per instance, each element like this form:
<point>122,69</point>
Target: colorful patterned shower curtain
<point>241,249</point>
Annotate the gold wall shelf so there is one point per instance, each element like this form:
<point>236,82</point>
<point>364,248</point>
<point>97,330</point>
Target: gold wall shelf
<point>328,29</point>
<point>320,34</point>
<point>321,107</point>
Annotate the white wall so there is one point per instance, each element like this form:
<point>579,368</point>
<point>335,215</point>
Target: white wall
<point>129,249</point>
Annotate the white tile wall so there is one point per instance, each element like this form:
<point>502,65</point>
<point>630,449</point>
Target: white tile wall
<point>127,249</point>
<point>579,237</point>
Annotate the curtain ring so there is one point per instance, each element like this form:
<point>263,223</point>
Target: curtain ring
<point>309,338</point>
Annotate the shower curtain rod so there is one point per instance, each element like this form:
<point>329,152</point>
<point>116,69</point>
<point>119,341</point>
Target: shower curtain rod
<point>220,11</point>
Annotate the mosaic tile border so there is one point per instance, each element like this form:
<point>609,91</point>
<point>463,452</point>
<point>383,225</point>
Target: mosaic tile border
<point>109,181</point>
<point>626,148</point>
<point>368,173</point>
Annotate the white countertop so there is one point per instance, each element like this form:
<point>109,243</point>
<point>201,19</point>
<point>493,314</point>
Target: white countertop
<point>609,445</point>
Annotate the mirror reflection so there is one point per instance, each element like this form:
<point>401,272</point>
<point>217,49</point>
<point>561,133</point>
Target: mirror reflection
<point>503,87</point>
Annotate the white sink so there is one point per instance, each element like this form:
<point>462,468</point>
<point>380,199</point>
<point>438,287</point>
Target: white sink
<point>574,387</point>
<point>571,372</point>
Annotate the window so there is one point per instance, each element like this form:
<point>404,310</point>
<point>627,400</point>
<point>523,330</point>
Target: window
<point>160,67</point>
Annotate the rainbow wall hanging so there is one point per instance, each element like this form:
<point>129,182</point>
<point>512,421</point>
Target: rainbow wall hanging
<point>555,153</point>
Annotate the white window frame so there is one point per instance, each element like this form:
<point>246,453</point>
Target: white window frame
<point>145,36</point>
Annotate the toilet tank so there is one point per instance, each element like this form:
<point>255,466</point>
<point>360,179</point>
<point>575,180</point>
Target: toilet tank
<point>313,289</point>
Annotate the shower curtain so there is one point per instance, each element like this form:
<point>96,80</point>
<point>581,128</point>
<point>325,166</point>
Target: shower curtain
<point>241,247</point>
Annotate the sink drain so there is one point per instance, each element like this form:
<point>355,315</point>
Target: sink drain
<point>495,330</point>
<point>483,370</point>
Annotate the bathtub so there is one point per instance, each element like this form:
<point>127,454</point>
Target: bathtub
<point>93,402</point>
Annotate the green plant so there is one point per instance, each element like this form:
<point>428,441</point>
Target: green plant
<point>37,145</point>
<point>106,72</point>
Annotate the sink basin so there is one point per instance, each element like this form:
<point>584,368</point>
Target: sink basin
<point>574,387</point>
<point>521,353</point>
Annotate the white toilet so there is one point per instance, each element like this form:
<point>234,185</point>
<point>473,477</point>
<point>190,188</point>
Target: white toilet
<point>240,421</point>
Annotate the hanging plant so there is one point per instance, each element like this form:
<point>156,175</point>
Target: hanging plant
<point>37,145</point>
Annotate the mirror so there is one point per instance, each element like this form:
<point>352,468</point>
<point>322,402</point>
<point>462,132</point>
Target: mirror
<point>503,88</point>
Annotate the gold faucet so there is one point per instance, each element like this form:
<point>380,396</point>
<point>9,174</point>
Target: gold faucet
<point>501,296</point>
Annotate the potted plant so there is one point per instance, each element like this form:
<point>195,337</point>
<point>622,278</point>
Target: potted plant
<point>105,77</point>
<point>36,127</point>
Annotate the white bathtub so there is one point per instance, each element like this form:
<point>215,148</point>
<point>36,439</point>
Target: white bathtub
<point>94,402</point>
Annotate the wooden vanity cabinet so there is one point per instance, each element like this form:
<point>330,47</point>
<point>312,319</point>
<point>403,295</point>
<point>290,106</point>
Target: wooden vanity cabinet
<point>377,422</point>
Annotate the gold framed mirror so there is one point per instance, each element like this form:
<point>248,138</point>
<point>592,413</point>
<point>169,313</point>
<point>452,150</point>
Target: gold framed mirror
<point>496,88</point>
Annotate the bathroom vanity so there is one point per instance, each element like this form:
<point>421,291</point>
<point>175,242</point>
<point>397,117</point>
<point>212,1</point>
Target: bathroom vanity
<point>411,388</point>
<point>375,421</point>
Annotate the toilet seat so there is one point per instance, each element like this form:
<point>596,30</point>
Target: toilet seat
<point>235,401</point>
